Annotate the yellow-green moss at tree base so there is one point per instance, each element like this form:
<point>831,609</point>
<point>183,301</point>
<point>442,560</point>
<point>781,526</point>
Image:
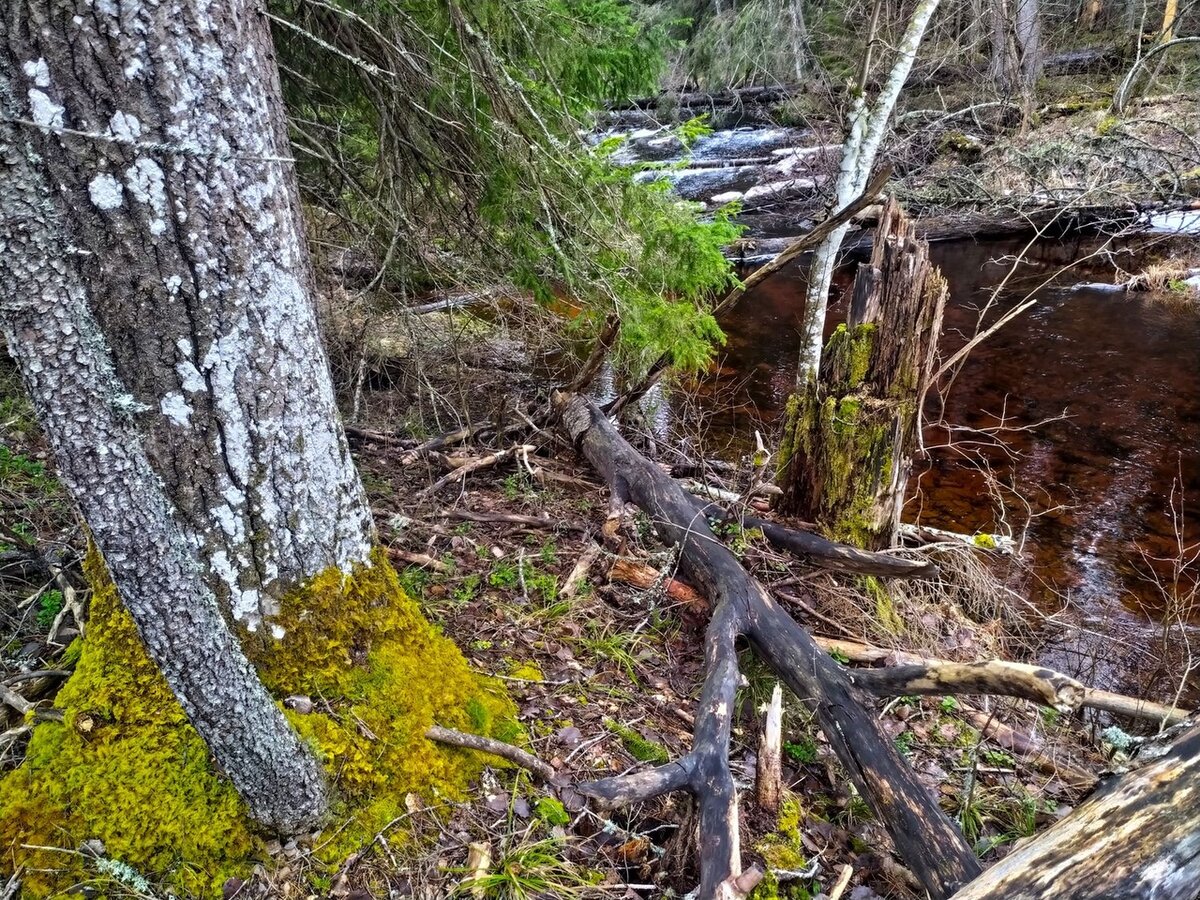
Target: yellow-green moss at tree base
<point>126,768</point>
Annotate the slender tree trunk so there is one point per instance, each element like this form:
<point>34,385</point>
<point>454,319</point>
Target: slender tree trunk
<point>1167,31</point>
<point>156,292</point>
<point>1028,28</point>
<point>866,126</point>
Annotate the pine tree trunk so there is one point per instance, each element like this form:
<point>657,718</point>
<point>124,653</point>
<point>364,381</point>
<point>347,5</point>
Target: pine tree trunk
<point>844,461</point>
<point>156,292</point>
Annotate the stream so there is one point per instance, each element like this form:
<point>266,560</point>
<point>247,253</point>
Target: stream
<point>1076,427</point>
<point>1097,395</point>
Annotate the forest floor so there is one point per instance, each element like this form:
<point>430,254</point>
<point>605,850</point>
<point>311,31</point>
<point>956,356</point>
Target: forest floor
<point>606,679</point>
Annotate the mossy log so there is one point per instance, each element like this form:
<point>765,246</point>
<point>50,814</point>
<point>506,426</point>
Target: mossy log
<point>1137,836</point>
<point>844,456</point>
<point>924,837</point>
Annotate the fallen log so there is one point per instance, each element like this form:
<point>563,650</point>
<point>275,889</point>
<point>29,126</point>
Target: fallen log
<point>923,835</point>
<point>1091,698</point>
<point>1137,836</point>
<point>825,553</point>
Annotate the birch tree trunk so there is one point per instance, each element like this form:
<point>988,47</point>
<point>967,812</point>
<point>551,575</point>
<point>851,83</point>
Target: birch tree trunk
<point>866,126</point>
<point>156,292</point>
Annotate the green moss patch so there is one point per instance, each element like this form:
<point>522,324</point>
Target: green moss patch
<point>126,768</point>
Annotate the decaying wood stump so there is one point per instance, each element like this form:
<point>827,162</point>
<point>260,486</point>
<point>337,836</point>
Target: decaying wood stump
<point>844,458</point>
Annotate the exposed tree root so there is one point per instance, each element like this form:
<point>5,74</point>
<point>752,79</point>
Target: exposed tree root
<point>924,837</point>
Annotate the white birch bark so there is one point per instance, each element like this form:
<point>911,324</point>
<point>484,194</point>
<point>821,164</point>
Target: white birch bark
<point>867,124</point>
<point>156,293</point>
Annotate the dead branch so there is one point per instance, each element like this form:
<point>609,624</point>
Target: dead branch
<point>424,560</point>
<point>825,553</point>
<point>483,462</point>
<point>1040,681</point>
<point>514,519</point>
<point>644,577</point>
<point>514,755</point>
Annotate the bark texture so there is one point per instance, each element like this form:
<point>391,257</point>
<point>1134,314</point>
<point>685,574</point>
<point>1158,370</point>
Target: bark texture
<point>1138,836</point>
<point>157,296</point>
<point>844,461</point>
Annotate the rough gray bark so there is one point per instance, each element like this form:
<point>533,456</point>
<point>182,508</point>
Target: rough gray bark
<point>156,292</point>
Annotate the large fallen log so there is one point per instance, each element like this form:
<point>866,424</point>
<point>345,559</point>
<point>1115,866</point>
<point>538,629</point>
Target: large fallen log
<point>923,835</point>
<point>1137,836</point>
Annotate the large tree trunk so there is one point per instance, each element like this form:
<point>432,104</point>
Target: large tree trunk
<point>844,460</point>
<point>156,292</point>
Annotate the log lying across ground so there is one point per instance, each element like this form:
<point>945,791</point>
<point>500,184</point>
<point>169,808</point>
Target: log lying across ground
<point>1136,837</point>
<point>924,837</point>
<point>825,553</point>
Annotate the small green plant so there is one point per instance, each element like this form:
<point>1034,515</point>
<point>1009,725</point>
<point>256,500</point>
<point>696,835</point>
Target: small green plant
<point>504,575</point>
<point>839,656</point>
<point>548,552</point>
<point>49,607</point>
<point>414,580</point>
<point>998,758</point>
<point>948,705</point>
<point>512,487</point>
<point>803,751</point>
<point>527,872</point>
<point>466,591</point>
<point>616,646</point>
<point>904,742</point>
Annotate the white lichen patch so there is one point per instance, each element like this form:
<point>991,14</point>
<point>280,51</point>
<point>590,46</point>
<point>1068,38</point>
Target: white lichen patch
<point>38,72</point>
<point>175,408</point>
<point>125,127</point>
<point>45,112</point>
<point>147,184</point>
<point>106,192</point>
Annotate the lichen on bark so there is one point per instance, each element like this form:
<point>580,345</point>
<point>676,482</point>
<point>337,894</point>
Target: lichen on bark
<point>125,767</point>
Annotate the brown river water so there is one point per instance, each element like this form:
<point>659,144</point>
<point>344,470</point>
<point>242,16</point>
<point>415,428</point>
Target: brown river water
<point>1100,395</point>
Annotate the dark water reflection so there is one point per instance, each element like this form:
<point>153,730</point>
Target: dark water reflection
<point>1095,487</point>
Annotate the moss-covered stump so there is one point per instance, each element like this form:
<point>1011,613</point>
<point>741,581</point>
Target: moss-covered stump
<point>125,768</point>
<point>844,457</point>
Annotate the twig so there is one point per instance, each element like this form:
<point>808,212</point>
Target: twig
<point>474,466</point>
<point>514,755</point>
<point>423,560</point>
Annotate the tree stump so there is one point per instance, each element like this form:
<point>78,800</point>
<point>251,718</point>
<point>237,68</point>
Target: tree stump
<point>844,458</point>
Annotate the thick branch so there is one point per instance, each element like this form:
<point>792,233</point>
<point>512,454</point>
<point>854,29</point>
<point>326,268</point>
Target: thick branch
<point>825,553</point>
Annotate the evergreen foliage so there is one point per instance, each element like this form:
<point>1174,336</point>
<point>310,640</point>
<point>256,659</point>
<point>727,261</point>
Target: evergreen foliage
<point>447,141</point>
